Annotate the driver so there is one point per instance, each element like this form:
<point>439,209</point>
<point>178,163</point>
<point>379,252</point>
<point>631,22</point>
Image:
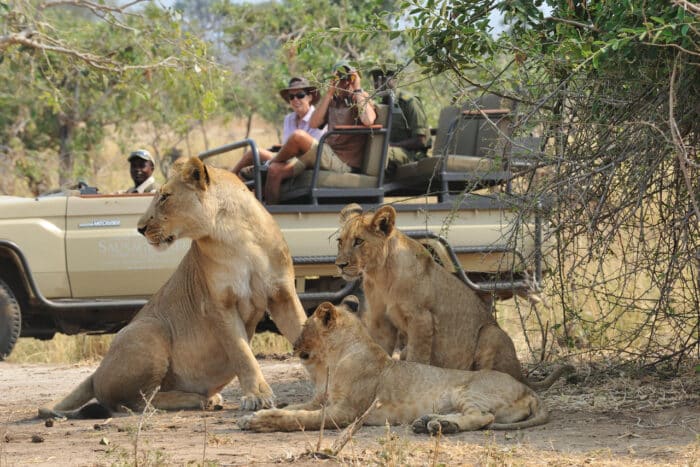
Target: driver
<point>141,169</point>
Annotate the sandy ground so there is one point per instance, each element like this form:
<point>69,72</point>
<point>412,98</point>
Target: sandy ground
<point>612,422</point>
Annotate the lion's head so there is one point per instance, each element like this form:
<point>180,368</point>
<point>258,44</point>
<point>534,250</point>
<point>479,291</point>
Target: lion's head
<point>362,239</point>
<point>183,207</point>
<point>319,329</point>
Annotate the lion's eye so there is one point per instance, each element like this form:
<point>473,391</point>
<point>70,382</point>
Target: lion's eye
<point>358,241</point>
<point>163,197</point>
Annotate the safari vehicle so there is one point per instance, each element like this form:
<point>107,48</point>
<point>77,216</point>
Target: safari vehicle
<point>73,261</point>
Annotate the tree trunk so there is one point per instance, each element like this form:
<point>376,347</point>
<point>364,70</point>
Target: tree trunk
<point>65,157</point>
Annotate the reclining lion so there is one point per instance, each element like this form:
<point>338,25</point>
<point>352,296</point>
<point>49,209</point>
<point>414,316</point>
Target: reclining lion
<point>444,322</point>
<point>335,345</point>
<point>192,337</point>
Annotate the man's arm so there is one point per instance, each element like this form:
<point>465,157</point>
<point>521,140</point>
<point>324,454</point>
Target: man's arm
<point>418,123</point>
<point>365,105</point>
<point>318,118</point>
<point>417,143</point>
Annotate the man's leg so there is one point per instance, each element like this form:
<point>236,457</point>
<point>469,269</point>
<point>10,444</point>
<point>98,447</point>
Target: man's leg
<point>247,159</point>
<point>276,174</point>
<point>298,143</point>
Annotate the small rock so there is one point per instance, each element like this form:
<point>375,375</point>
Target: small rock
<point>104,442</point>
<point>37,439</point>
<point>48,423</point>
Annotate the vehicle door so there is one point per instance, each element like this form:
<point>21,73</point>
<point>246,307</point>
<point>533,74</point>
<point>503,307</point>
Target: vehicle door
<point>106,256</point>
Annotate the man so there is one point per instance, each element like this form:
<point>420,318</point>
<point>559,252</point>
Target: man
<point>142,165</point>
<point>344,103</point>
<point>410,135</point>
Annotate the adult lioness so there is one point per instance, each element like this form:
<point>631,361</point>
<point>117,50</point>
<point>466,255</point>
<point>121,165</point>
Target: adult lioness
<point>192,337</point>
<point>445,323</point>
<point>335,345</point>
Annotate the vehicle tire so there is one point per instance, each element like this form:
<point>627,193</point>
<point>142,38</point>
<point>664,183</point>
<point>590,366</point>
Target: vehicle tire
<point>10,321</point>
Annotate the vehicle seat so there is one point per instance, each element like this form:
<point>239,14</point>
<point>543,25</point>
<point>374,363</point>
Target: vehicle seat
<point>471,150</point>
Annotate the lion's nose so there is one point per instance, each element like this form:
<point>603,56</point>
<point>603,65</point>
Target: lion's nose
<point>142,230</point>
<point>341,265</point>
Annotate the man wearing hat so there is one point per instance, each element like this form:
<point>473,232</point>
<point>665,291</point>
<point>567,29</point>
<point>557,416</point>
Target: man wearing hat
<point>301,97</point>
<point>344,103</point>
<point>142,165</point>
<point>410,136</point>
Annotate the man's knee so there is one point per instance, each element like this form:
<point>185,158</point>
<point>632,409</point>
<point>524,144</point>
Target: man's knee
<point>300,135</point>
<point>274,171</point>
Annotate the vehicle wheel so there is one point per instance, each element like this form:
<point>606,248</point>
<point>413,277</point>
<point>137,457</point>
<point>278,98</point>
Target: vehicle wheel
<point>10,321</point>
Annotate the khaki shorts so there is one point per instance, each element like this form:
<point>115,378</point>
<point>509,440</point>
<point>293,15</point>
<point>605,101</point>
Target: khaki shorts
<point>329,160</point>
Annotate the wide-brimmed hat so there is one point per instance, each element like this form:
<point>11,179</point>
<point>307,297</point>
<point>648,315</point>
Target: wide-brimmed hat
<point>300,84</point>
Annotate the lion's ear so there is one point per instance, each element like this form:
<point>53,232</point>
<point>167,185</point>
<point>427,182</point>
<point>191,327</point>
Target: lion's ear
<point>350,211</point>
<point>384,220</point>
<point>177,166</point>
<point>195,173</point>
<point>326,313</point>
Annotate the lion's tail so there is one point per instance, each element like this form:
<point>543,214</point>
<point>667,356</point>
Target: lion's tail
<point>539,415</point>
<point>73,405</point>
<point>549,380</point>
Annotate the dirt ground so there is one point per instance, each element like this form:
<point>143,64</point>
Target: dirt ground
<point>616,421</point>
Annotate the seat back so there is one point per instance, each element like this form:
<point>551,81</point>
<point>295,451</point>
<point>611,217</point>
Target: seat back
<point>377,144</point>
<point>474,130</point>
<point>444,141</point>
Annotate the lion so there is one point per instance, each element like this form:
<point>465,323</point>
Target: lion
<point>352,373</point>
<point>408,294</point>
<point>192,337</point>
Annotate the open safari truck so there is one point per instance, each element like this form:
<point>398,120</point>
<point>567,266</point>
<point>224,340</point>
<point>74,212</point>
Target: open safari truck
<point>73,261</point>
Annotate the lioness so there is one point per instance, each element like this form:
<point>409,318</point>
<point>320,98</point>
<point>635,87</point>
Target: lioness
<point>444,321</point>
<point>335,345</point>
<point>192,337</point>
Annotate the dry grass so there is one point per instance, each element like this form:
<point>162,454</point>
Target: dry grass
<point>61,349</point>
<point>86,349</point>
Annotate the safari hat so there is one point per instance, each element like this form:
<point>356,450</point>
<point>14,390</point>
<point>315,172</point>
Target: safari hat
<point>300,84</point>
<point>141,154</point>
<point>345,67</point>
<point>385,68</point>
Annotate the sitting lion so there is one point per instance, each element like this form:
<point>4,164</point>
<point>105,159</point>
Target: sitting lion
<point>192,337</point>
<point>335,345</point>
<point>444,322</point>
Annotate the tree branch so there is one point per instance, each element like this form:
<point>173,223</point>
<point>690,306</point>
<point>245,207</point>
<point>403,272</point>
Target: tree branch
<point>25,38</point>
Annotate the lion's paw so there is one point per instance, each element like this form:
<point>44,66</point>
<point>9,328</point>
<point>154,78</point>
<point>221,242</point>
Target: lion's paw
<point>433,425</point>
<point>264,420</point>
<point>244,422</point>
<point>257,401</point>
<point>215,402</point>
<point>420,425</point>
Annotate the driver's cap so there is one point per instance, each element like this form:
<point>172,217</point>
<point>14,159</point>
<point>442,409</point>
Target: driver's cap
<point>141,154</point>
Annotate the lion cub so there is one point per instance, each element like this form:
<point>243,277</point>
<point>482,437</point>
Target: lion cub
<point>334,344</point>
<point>445,323</point>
